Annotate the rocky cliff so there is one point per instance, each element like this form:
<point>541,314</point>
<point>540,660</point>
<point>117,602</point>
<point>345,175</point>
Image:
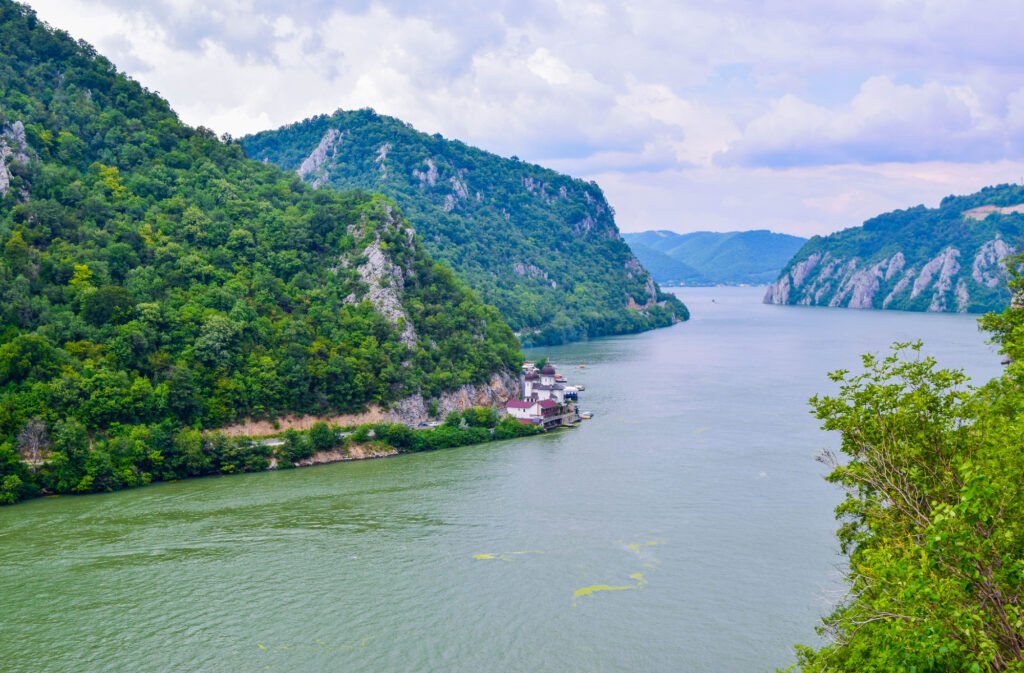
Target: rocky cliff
<point>952,258</point>
<point>540,246</point>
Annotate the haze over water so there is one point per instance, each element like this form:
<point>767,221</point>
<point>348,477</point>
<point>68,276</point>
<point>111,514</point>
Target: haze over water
<point>686,527</point>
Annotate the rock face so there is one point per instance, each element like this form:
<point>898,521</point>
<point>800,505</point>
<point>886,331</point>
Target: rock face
<point>385,282</point>
<point>12,149</point>
<point>950,258</point>
<point>501,388</point>
<point>938,284</point>
<point>989,268</point>
<point>312,168</point>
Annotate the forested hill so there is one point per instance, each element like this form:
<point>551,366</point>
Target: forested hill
<point>153,277</point>
<point>539,245</point>
<point>711,257</point>
<point>948,258</point>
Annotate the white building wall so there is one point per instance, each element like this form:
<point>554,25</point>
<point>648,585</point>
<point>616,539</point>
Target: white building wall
<point>530,412</point>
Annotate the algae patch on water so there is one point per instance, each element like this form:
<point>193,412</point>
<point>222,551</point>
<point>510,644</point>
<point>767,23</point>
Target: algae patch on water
<point>589,591</point>
<point>637,577</point>
<point>635,546</point>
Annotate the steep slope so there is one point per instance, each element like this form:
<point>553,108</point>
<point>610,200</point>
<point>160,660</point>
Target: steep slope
<point>540,246</point>
<point>724,257</point>
<point>154,277</point>
<point>949,258</point>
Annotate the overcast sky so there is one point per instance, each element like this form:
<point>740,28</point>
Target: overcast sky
<point>718,115</point>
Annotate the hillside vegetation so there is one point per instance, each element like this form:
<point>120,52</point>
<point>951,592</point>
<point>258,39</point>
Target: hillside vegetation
<point>540,246</point>
<point>154,278</point>
<point>948,258</point>
<point>751,257</point>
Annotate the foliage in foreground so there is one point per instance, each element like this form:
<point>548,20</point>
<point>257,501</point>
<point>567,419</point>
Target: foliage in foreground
<point>932,522</point>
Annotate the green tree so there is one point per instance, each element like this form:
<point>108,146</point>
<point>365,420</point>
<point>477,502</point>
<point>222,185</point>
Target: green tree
<point>932,522</point>
<point>322,437</point>
<point>16,253</point>
<point>109,303</point>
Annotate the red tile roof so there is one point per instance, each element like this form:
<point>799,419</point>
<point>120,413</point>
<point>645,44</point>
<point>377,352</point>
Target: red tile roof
<point>547,404</point>
<point>518,404</point>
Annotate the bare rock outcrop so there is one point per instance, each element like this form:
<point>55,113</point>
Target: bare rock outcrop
<point>312,165</point>
<point>13,147</point>
<point>928,271</point>
<point>427,177</point>
<point>778,292</point>
<point>950,267</point>
<point>900,286</point>
<point>800,271</point>
<point>585,225</point>
<point>896,264</point>
<point>862,286</point>
<point>633,267</point>
<point>500,389</point>
<point>963,297</point>
<point>989,267</point>
<point>386,281</point>
<point>382,155</point>
<point>532,271</point>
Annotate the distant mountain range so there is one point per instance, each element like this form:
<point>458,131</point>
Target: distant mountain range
<point>710,258</point>
<point>949,258</point>
<point>539,245</point>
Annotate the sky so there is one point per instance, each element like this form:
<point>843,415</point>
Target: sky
<point>796,116</point>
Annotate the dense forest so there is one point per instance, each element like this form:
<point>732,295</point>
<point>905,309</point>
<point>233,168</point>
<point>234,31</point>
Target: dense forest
<point>919,259</point>
<point>933,519</point>
<point>153,279</point>
<point>732,257</point>
<point>540,246</point>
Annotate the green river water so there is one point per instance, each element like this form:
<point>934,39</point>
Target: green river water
<point>685,528</point>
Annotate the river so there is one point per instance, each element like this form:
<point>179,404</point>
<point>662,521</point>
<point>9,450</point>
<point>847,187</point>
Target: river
<point>686,527</point>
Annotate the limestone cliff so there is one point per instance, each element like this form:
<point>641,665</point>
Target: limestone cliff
<point>13,149</point>
<point>953,258</point>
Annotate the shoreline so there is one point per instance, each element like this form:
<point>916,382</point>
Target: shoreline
<point>247,455</point>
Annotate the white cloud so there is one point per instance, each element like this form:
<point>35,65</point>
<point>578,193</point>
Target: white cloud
<point>804,201</point>
<point>884,121</point>
<point>735,112</point>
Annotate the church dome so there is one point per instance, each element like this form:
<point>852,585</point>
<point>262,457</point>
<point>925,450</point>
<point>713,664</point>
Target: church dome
<point>547,370</point>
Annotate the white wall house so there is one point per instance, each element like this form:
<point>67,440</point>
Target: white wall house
<point>523,409</point>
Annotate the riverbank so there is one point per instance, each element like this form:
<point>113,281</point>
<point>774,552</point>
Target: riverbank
<point>144,455</point>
